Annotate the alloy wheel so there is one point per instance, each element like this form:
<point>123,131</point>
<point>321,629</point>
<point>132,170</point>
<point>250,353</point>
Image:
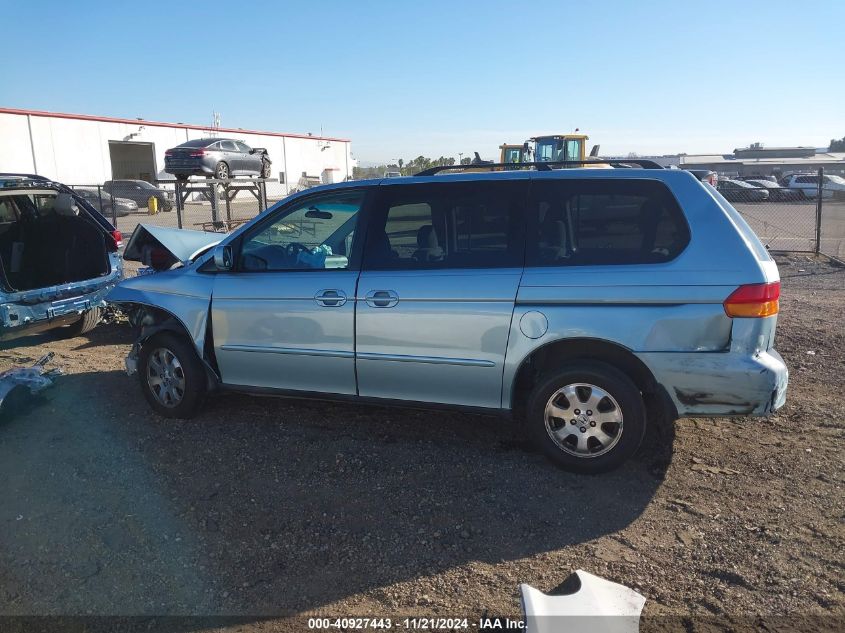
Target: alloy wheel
<point>165,377</point>
<point>583,420</point>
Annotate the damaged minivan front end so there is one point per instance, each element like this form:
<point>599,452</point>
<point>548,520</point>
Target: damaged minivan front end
<point>176,297</point>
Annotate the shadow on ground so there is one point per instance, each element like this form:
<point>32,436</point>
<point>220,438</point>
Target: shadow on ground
<point>267,507</point>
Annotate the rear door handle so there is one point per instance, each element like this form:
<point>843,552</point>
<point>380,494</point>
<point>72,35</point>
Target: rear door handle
<point>330,298</point>
<point>382,298</point>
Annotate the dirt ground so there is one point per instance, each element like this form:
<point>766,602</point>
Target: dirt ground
<point>266,508</point>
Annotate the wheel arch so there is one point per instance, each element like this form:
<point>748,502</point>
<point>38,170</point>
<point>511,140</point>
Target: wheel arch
<point>557,353</point>
<point>149,320</point>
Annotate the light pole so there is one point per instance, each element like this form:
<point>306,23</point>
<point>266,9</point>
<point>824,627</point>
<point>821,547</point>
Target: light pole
<point>460,158</point>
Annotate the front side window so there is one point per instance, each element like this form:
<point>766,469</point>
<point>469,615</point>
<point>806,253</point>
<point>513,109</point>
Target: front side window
<point>228,146</point>
<point>448,225</point>
<point>314,234</point>
<point>242,148</point>
<point>602,222</point>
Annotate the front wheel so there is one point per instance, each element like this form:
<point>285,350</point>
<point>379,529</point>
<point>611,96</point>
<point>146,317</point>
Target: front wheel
<point>172,377</point>
<point>265,169</point>
<point>221,171</point>
<point>587,417</point>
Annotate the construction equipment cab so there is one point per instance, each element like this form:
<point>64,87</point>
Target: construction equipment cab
<point>559,147</point>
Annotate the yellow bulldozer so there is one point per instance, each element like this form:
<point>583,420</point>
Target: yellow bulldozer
<point>550,148</point>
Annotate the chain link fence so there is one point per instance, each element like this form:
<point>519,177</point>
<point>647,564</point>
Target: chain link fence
<point>798,213</point>
<point>198,204</point>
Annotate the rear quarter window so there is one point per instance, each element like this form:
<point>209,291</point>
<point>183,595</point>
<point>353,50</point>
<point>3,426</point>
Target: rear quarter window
<point>604,222</point>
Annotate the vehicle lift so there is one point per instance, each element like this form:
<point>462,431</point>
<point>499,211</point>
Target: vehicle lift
<point>210,187</point>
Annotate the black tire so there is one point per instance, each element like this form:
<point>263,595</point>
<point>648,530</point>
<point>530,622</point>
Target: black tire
<point>594,457</point>
<point>90,319</point>
<point>158,348</point>
<point>265,169</point>
<point>221,171</point>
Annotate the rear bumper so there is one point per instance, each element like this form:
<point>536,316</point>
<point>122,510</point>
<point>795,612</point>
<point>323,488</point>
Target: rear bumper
<point>721,384</point>
<point>188,169</point>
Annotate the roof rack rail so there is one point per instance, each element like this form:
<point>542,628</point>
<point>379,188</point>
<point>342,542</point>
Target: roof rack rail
<point>546,166</point>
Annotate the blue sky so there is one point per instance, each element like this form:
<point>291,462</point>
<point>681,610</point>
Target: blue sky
<point>438,78</point>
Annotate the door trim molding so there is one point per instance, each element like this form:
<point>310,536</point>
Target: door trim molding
<point>430,360</point>
<point>301,351</point>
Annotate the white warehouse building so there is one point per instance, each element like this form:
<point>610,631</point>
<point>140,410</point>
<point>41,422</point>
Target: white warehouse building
<point>79,149</point>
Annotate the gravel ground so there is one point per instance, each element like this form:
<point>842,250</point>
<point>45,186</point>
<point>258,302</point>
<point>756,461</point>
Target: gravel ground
<point>266,507</point>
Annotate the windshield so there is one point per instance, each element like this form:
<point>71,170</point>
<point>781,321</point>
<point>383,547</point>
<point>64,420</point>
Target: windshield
<point>513,155</point>
<point>839,180</point>
<point>557,149</point>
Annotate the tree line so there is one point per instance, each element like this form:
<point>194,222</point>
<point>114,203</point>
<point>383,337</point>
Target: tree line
<point>406,168</point>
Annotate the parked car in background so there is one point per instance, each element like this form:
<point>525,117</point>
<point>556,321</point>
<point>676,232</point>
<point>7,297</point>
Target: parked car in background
<point>218,157</point>
<point>758,177</point>
<point>776,192</point>
<point>392,174</point>
<point>832,186</point>
<point>583,304</point>
<point>140,191</point>
<point>58,257</point>
<point>705,175</point>
<point>102,201</point>
<point>740,191</point>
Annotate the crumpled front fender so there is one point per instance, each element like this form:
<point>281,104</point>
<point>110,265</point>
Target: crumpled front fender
<point>183,294</point>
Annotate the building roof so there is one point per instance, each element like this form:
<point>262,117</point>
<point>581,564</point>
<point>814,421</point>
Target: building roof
<point>206,128</point>
<point>729,159</point>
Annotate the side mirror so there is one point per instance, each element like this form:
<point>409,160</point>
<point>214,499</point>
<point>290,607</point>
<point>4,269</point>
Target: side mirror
<point>252,151</point>
<point>223,257</point>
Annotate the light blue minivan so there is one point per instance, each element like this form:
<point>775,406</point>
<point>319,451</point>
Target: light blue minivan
<point>580,302</point>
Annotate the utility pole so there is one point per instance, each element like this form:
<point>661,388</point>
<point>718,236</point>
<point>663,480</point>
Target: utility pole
<point>460,158</point>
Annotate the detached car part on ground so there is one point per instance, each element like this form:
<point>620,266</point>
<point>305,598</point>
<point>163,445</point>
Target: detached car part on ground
<point>582,307</point>
<point>218,158</point>
<point>58,257</point>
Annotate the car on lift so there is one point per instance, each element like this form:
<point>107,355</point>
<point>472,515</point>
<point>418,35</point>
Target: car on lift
<point>140,191</point>
<point>58,258</point>
<point>582,303</point>
<point>220,158</point>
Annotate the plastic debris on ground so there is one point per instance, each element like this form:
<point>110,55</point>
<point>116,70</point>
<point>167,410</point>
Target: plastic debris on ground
<point>35,378</point>
<point>593,605</point>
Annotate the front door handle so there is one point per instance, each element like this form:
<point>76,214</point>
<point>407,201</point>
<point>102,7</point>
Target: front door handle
<point>330,298</point>
<point>382,298</point>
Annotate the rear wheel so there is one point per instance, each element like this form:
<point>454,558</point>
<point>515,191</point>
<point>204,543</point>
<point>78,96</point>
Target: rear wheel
<point>221,171</point>
<point>172,377</point>
<point>90,319</point>
<point>586,418</point>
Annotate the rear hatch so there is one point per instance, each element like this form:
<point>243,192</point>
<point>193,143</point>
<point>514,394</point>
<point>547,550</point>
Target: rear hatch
<point>58,256</point>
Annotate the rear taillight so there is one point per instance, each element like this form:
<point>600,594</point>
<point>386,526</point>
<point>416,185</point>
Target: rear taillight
<point>753,300</point>
<point>196,153</point>
<point>116,240</point>
<point>169,152</point>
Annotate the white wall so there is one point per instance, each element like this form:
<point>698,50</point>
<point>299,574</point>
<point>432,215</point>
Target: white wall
<point>75,151</point>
